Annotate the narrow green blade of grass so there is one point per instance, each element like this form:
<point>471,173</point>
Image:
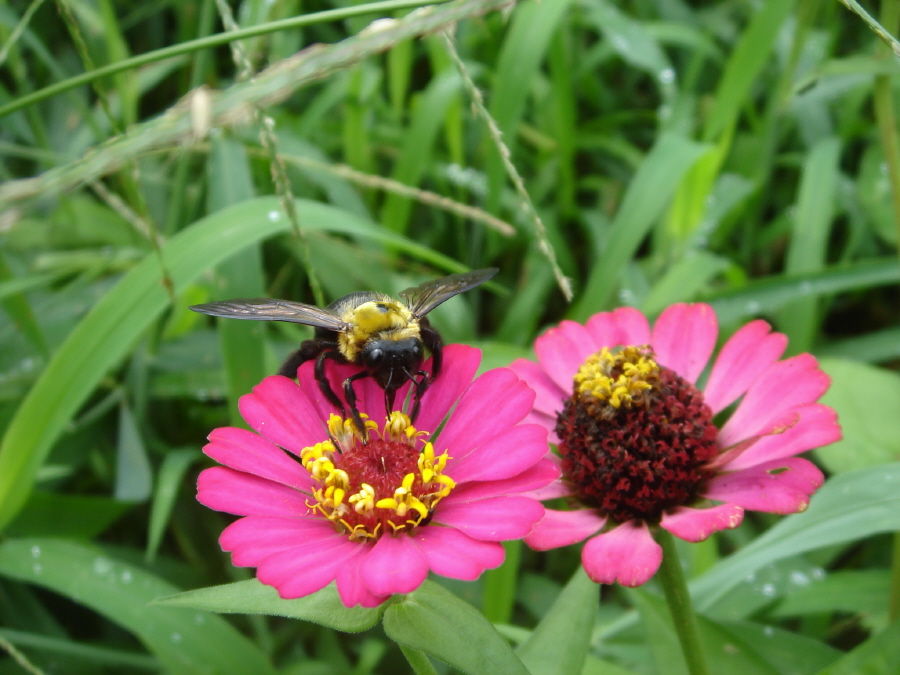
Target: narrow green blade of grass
<point>560,642</point>
<point>648,196</point>
<point>771,293</point>
<point>240,276</point>
<point>168,480</point>
<point>134,476</point>
<point>683,280</point>
<point>185,641</point>
<point>17,306</point>
<point>746,63</point>
<point>523,51</point>
<point>809,239</point>
<point>427,119</point>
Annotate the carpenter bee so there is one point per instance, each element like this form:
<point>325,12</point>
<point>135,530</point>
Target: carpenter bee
<point>387,337</point>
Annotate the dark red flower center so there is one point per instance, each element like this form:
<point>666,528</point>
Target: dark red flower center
<point>389,483</point>
<point>635,436</point>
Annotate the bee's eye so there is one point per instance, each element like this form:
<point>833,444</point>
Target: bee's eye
<point>374,357</point>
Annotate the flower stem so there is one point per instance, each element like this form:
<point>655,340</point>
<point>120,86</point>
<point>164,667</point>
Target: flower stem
<point>418,661</point>
<point>671,576</point>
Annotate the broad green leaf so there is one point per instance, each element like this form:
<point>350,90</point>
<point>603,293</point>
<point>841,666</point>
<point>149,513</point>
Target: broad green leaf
<point>434,621</point>
<point>77,651</point>
<point>72,516</point>
<point>560,642</point>
<point>647,198</point>
<point>874,347</point>
<point>856,591</point>
<point>184,641</point>
<point>849,507</point>
<point>252,597</point>
<point>866,399</point>
<point>879,655</point>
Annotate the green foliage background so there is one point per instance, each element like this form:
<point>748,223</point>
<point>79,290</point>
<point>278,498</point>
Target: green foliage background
<point>733,152</point>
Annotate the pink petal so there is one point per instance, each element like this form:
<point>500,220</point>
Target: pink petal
<point>684,337</point>
<point>562,350</point>
<point>780,486</point>
<point>493,519</point>
<point>530,481</point>
<point>818,427</point>
<point>224,489</point>
<point>505,455</point>
<point>450,553</point>
<point>492,404</point>
<point>299,571</point>
<point>555,490</point>
<point>624,326</point>
<point>549,396</point>
<point>313,392</point>
<point>460,365</point>
<point>350,584</point>
<point>749,352</point>
<point>563,528</point>
<point>627,555</point>
<point>697,524</point>
<point>243,450</point>
<point>254,538</point>
<point>775,427</point>
<point>280,412</point>
<point>783,386</point>
<point>394,565</point>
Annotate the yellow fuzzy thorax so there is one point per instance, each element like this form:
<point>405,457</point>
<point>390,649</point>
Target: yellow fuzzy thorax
<point>389,320</point>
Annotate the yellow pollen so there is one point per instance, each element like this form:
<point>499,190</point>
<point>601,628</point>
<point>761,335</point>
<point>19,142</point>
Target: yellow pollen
<point>619,378</point>
<point>357,508</point>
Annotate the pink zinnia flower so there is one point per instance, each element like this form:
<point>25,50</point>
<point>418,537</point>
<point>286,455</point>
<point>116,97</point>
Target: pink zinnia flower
<point>375,517</point>
<point>636,437</point>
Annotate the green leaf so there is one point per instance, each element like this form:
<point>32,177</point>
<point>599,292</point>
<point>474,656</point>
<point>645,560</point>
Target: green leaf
<point>747,60</point>
<point>855,591</point>
<point>49,514</point>
<point>252,597</point>
<point>239,276</point>
<point>879,655</point>
<point>184,641</point>
<point>134,477</point>
<point>849,507</point>
<point>866,399</point>
<point>168,481</point>
<point>683,280</point>
<point>771,293</point>
<point>647,198</point>
<point>524,48</point>
<point>560,642</point>
<point>434,621</point>
<point>809,239</point>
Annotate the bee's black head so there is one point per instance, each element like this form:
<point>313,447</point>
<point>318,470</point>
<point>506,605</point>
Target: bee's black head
<point>389,361</point>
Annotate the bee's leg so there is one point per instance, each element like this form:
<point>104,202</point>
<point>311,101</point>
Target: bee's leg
<point>432,339</point>
<point>322,379</point>
<point>420,386</point>
<point>309,349</point>
<point>350,395</point>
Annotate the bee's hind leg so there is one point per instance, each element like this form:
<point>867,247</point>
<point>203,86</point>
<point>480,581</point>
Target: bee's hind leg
<point>322,378</point>
<point>309,350</point>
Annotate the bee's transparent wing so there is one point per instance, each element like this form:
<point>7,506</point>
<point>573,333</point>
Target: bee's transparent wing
<point>425,297</point>
<point>264,309</point>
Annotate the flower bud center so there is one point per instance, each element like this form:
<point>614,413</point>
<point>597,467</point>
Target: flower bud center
<point>389,483</point>
<point>635,436</point>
